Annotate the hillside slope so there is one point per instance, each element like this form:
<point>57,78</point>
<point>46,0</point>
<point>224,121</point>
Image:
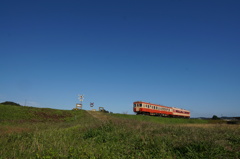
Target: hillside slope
<point>10,113</point>
<point>27,132</point>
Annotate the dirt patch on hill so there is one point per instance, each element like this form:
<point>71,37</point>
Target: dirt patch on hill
<point>209,125</point>
<point>46,116</point>
<point>99,115</point>
<point>4,130</point>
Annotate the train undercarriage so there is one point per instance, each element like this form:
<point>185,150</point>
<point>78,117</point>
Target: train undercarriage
<point>160,115</point>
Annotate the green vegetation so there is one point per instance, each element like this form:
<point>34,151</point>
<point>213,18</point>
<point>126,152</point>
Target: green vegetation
<point>215,117</point>
<point>10,103</point>
<point>27,132</point>
<point>19,114</point>
<point>162,120</point>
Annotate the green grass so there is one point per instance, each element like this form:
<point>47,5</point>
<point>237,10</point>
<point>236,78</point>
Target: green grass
<point>80,135</point>
<point>162,120</point>
<point>18,114</point>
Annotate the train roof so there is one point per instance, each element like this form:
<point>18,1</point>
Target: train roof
<point>151,104</point>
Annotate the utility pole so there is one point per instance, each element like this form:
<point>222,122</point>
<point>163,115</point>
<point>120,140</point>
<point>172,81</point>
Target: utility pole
<point>80,97</point>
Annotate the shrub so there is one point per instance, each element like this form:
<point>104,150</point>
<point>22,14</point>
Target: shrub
<point>10,103</point>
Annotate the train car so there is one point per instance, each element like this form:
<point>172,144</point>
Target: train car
<point>145,108</point>
<point>177,112</point>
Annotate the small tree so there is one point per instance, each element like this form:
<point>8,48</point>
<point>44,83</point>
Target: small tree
<point>215,117</point>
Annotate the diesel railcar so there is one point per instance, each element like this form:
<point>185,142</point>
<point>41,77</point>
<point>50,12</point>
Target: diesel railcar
<point>145,108</point>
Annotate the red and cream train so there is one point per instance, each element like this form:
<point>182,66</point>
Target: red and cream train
<point>145,108</point>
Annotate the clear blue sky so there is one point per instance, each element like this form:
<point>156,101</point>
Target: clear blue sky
<point>179,53</point>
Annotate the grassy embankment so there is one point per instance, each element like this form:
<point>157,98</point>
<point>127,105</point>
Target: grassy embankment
<point>27,132</point>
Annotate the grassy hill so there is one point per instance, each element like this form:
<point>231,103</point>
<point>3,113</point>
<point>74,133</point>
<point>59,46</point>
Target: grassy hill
<point>162,120</point>
<point>31,114</point>
<point>27,132</point>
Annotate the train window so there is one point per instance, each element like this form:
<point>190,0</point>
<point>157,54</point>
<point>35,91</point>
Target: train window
<point>140,105</point>
<point>134,105</point>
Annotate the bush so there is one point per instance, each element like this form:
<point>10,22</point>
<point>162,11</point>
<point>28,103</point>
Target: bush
<point>10,103</point>
<point>215,117</point>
